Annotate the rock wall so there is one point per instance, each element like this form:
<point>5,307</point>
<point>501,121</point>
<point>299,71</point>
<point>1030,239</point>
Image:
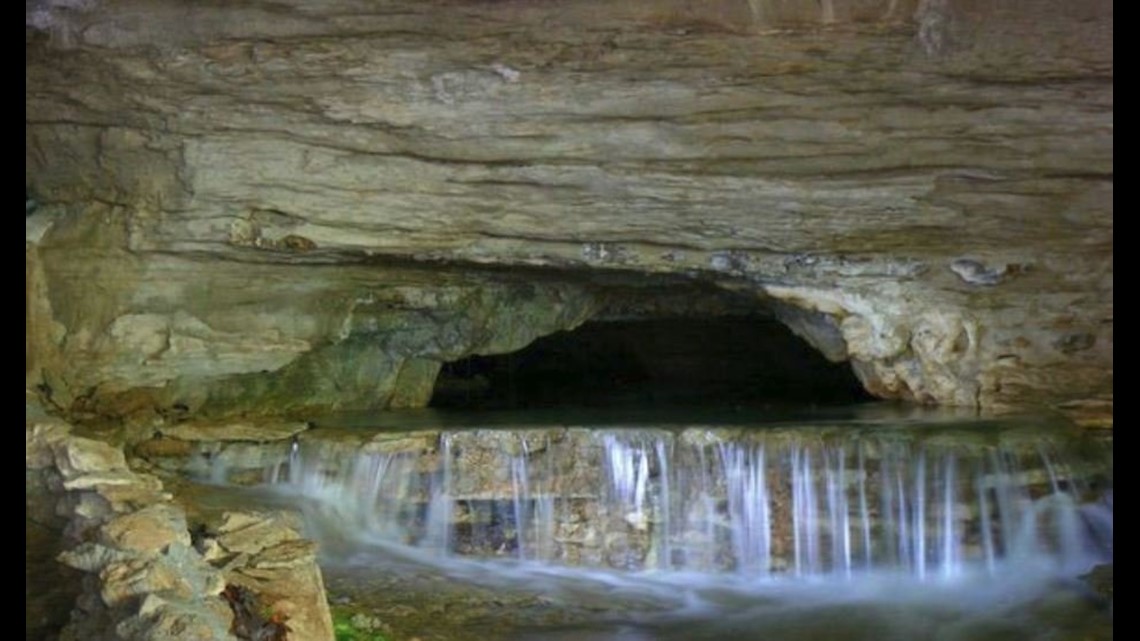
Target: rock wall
<point>255,205</point>
<point>142,579</point>
<point>141,574</point>
<point>196,334</point>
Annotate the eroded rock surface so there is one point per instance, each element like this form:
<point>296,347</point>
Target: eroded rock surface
<point>264,552</point>
<point>229,198</point>
<point>140,574</point>
<point>141,577</point>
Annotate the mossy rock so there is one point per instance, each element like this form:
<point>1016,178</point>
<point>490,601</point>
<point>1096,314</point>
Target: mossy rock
<point>354,626</point>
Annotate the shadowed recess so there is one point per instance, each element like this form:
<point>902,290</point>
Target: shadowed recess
<point>738,360</point>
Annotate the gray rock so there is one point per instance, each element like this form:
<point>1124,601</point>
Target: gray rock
<point>976,273</point>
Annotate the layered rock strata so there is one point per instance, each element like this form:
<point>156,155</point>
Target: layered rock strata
<point>143,579</point>
<point>255,205</point>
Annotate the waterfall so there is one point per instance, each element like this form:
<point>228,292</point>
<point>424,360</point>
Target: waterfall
<point>759,504</point>
<point>440,508</point>
<point>749,506</point>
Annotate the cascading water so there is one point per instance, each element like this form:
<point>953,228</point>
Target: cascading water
<point>760,503</point>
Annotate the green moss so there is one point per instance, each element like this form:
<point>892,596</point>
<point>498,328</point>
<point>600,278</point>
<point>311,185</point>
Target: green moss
<point>344,630</point>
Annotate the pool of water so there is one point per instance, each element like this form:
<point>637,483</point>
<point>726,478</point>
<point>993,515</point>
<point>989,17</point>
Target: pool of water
<point>522,601</point>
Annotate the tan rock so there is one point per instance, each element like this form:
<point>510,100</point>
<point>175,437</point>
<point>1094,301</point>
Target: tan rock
<point>279,567</point>
<point>76,456</point>
<point>387,443</point>
<point>259,431</point>
<point>934,187</point>
<point>91,557</point>
<point>164,448</point>
<point>149,531</point>
<point>136,577</point>
<point>41,439</point>
<point>144,582</point>
<point>113,479</point>
<point>287,554</point>
<point>294,591</point>
<point>252,532</point>
<point>161,620</point>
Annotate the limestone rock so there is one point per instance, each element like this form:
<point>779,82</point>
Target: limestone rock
<point>142,579</point>
<point>41,441</point>
<point>78,456</point>
<point>371,174</point>
<point>386,443</point>
<point>259,432</point>
<point>280,567</point>
<point>252,532</point>
<point>112,479</point>
<point>296,593</point>
<point>91,557</point>
<point>128,579</point>
<point>162,620</point>
<point>150,530</point>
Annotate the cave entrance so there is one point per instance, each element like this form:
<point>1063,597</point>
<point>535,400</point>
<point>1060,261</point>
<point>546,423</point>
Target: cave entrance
<point>733,360</point>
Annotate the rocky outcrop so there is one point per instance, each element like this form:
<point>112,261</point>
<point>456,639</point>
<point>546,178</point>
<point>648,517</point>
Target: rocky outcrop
<point>298,205</point>
<point>143,577</point>
<point>224,452</point>
<point>265,554</point>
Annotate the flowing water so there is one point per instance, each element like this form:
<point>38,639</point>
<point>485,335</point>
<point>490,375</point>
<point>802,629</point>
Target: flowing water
<point>809,529</point>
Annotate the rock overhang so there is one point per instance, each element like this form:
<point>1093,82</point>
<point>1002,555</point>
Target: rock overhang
<point>942,220</point>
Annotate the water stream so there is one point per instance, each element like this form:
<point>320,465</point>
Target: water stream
<point>953,530</point>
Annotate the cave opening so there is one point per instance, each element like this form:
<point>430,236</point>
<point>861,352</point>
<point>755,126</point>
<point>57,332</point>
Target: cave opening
<point>735,360</point>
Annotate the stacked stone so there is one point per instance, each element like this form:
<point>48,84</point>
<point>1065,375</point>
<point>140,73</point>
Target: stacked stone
<point>145,577</point>
<point>265,554</point>
<point>144,580</point>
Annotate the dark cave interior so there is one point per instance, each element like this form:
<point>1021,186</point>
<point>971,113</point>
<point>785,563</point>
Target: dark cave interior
<point>740,360</point>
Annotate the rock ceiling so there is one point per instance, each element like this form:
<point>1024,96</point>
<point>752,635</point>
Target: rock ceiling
<point>244,204</point>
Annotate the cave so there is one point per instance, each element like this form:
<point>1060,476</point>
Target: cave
<point>714,361</point>
<point>320,245</point>
<point>959,248</point>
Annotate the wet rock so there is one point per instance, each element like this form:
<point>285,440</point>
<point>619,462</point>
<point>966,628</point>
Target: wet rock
<point>252,619</point>
<point>161,620</point>
<point>392,443</point>
<point>264,553</point>
<point>1100,580</point>
<point>252,532</point>
<point>257,432</point>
